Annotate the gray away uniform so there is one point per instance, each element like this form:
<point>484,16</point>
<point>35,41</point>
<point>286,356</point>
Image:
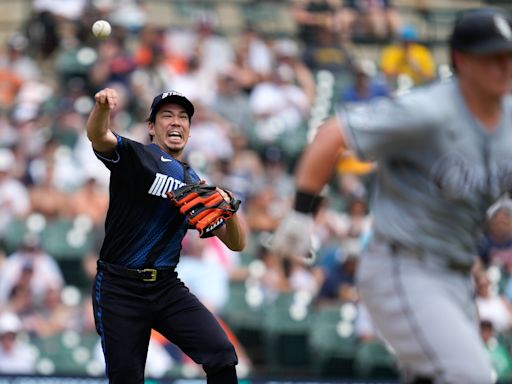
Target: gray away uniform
<point>438,172</point>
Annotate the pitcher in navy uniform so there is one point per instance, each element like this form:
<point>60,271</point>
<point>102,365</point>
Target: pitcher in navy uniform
<point>137,288</point>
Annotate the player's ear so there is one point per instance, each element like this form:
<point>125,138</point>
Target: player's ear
<point>151,128</point>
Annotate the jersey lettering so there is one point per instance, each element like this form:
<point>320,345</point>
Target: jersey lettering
<point>163,184</point>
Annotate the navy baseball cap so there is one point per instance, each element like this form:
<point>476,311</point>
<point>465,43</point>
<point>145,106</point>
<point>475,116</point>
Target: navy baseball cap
<point>170,97</point>
<point>482,31</point>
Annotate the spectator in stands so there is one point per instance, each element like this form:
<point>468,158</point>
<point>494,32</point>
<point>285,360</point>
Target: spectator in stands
<point>253,59</point>
<point>211,138</point>
<point>214,50</point>
<point>197,82</point>
<point>53,316</point>
<point>500,356</point>
<point>276,162</point>
<point>264,209</point>
<point>46,198</point>
<point>232,104</point>
<point>339,283</point>
<point>115,62</point>
<point>274,280</point>
<point>315,16</point>
<point>407,58</point>
<point>302,278</point>
<point>91,200</point>
<point>16,356</point>
<point>364,86</point>
<point>17,59</point>
<point>46,271</point>
<point>20,298</point>
<point>10,86</point>
<point>496,245</point>
<point>327,54</point>
<point>287,57</point>
<point>243,171</point>
<point>42,31</point>
<point>370,18</point>
<point>279,106</point>
<point>491,305</point>
<point>14,198</point>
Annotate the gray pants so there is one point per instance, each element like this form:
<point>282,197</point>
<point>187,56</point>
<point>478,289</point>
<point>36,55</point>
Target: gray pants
<point>426,313</point>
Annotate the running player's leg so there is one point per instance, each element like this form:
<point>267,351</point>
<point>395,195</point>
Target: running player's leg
<point>123,325</point>
<point>427,315</point>
<point>187,323</point>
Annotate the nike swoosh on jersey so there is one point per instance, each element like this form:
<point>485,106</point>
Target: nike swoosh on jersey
<point>164,159</point>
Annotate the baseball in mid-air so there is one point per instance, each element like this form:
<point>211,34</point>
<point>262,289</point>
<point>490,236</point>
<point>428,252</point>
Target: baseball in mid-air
<point>101,29</point>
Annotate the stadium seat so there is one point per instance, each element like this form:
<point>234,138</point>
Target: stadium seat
<point>287,323</point>
<point>62,354</point>
<point>333,340</point>
<point>243,313</point>
<point>14,234</point>
<point>64,240</point>
<point>374,360</point>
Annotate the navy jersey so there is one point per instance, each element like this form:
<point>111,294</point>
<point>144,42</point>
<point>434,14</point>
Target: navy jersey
<point>139,212</point>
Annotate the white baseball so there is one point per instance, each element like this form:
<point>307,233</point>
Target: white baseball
<point>101,29</point>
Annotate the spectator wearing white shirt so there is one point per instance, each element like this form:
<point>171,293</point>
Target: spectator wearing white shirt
<point>46,271</point>
<point>16,356</point>
<point>14,198</point>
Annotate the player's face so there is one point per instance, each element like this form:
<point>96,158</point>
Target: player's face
<point>490,73</point>
<point>171,128</point>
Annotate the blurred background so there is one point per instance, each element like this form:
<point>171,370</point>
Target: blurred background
<point>263,76</point>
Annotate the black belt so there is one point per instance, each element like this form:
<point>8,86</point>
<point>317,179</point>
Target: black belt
<point>146,274</point>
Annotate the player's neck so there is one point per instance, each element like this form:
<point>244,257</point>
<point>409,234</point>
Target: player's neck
<point>484,107</point>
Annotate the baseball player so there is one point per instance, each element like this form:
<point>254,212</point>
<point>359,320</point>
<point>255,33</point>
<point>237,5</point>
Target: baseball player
<point>444,155</point>
<point>136,287</point>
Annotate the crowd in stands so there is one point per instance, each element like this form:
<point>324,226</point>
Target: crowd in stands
<point>255,96</point>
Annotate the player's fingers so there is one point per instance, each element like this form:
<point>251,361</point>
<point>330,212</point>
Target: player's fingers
<point>112,100</point>
<point>106,97</point>
<point>224,195</point>
<point>100,97</point>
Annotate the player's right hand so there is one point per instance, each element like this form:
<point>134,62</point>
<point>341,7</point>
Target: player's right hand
<point>293,237</point>
<point>106,98</point>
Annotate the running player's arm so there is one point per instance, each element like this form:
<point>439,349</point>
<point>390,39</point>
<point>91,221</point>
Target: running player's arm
<point>102,138</point>
<point>318,162</point>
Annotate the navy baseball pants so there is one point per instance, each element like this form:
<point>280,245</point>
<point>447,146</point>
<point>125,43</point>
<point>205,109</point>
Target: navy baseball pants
<point>126,308</point>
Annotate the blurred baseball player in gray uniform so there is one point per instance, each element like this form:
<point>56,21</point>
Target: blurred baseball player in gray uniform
<point>444,154</point>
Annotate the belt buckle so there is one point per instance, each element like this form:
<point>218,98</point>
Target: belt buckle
<point>153,273</point>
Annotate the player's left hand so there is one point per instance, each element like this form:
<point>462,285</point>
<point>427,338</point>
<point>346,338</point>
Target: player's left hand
<point>205,207</point>
<point>293,237</point>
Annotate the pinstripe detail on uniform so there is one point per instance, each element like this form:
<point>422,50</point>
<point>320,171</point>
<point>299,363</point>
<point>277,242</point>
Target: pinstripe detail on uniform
<point>409,317</point>
<point>98,314</point>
